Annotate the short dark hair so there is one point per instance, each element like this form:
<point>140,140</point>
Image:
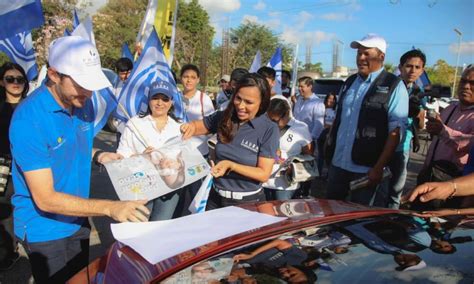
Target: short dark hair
<point>123,64</point>
<point>190,67</point>
<point>412,54</point>
<point>308,81</point>
<point>288,73</point>
<point>279,107</point>
<point>238,73</point>
<point>267,72</point>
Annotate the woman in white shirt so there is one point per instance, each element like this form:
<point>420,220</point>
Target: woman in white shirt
<point>295,139</point>
<point>152,130</point>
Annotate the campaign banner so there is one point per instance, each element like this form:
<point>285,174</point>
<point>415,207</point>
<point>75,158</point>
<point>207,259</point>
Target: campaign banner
<point>149,176</point>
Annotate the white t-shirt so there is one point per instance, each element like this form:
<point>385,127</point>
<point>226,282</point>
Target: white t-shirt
<point>144,128</point>
<point>291,144</point>
<point>194,111</point>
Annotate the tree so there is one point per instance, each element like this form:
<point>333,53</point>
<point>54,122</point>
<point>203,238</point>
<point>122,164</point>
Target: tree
<point>193,34</point>
<point>312,67</point>
<point>250,37</point>
<point>116,23</point>
<point>441,73</point>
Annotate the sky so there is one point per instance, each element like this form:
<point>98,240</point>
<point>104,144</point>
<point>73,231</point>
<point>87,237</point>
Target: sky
<point>426,24</point>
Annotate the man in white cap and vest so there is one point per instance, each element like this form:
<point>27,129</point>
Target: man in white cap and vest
<point>372,112</point>
<point>51,137</point>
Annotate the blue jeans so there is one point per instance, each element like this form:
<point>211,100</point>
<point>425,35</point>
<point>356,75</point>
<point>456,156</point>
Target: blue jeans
<point>274,194</point>
<point>58,260</point>
<point>162,208</point>
<point>389,194</point>
<point>339,183</point>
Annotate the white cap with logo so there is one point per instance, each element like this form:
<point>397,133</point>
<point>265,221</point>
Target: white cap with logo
<point>78,58</point>
<point>371,40</point>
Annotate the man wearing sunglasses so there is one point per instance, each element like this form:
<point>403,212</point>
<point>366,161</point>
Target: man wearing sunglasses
<point>51,140</point>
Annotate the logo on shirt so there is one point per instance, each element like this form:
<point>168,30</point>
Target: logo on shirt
<point>249,145</point>
<point>382,89</point>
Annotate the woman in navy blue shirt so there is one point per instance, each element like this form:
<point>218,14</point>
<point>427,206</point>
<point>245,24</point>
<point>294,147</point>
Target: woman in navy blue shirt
<point>247,141</point>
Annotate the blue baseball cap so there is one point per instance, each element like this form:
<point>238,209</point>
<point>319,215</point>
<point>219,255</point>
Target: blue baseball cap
<point>161,87</point>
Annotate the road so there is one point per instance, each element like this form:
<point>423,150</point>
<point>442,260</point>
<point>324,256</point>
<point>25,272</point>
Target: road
<point>101,187</point>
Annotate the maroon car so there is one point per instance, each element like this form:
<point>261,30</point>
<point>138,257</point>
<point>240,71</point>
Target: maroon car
<point>321,240</point>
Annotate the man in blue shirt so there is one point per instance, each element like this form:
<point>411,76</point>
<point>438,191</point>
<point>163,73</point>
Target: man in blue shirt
<point>412,64</point>
<point>372,112</point>
<point>51,136</point>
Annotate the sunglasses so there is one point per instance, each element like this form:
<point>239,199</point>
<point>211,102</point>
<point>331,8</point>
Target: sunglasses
<point>464,81</point>
<point>11,79</point>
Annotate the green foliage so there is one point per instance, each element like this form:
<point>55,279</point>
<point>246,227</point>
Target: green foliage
<point>312,67</point>
<point>116,23</point>
<point>249,37</point>
<point>389,67</point>
<point>441,73</point>
<point>193,35</point>
<point>3,58</point>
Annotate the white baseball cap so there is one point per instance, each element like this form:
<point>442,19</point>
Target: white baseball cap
<point>78,58</point>
<point>371,40</point>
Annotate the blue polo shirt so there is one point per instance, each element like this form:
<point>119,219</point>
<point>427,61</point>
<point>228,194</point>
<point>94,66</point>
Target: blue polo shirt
<point>397,117</point>
<point>43,135</point>
<point>256,138</point>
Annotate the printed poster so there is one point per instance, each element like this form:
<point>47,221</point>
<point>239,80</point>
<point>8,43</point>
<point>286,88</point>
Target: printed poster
<point>148,176</point>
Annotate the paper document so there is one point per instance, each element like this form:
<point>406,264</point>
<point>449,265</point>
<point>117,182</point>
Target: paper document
<point>159,240</point>
<point>155,174</point>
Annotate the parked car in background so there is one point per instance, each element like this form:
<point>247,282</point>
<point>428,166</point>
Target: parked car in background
<point>320,240</point>
<point>324,86</point>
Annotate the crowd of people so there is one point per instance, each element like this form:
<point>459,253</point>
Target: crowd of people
<point>364,132</point>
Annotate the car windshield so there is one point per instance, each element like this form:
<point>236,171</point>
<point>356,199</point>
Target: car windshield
<point>326,86</point>
<point>386,249</point>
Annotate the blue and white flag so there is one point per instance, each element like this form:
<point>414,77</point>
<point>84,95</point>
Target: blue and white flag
<point>85,30</point>
<point>19,49</point>
<point>276,62</point>
<point>104,103</point>
<point>19,16</point>
<point>198,205</point>
<point>126,52</point>
<point>75,23</point>
<point>151,66</point>
<point>256,63</point>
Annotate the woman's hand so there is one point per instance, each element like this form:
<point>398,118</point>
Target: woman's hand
<point>108,157</point>
<point>222,168</point>
<point>188,130</point>
<point>242,256</point>
<point>148,150</point>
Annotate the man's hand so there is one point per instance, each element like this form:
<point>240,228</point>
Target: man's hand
<point>108,157</point>
<point>434,125</point>
<point>430,191</point>
<point>188,130</point>
<point>437,213</point>
<point>375,175</point>
<point>129,211</point>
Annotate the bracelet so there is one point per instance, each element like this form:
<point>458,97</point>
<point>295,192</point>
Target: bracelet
<point>455,188</point>
<point>95,158</point>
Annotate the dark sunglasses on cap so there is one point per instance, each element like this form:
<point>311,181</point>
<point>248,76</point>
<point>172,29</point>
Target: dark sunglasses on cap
<point>11,79</point>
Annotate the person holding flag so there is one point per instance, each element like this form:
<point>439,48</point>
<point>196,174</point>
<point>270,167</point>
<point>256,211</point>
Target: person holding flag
<point>51,137</point>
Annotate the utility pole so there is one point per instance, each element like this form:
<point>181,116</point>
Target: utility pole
<point>225,52</point>
<point>204,57</point>
<point>309,47</point>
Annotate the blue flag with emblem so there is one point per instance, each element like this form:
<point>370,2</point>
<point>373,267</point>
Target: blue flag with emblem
<point>19,49</point>
<point>75,23</point>
<point>20,16</point>
<point>151,66</point>
<point>126,52</point>
<point>276,62</point>
<point>104,103</point>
